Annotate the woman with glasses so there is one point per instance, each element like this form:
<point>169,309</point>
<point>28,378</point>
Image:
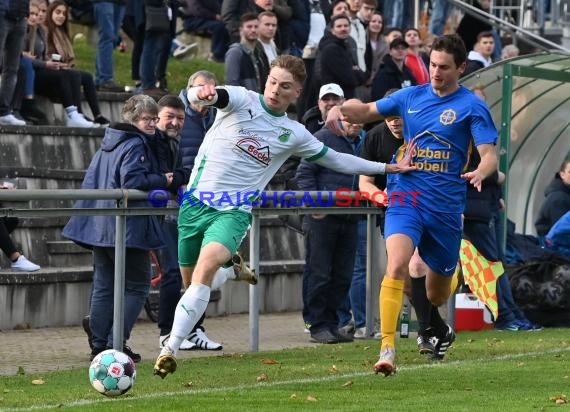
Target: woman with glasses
<point>127,160</point>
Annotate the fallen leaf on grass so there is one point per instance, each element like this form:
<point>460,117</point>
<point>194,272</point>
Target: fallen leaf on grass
<point>38,382</point>
<point>189,384</point>
<point>269,362</point>
<point>262,378</point>
<point>294,396</point>
<point>559,399</point>
<point>334,369</point>
<point>311,398</point>
<point>520,364</point>
<point>347,384</point>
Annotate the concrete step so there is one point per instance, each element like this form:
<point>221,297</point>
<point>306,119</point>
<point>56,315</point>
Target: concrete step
<point>65,253</point>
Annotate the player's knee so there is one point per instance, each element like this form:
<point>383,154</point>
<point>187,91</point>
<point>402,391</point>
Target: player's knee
<point>437,298</point>
<point>399,272</point>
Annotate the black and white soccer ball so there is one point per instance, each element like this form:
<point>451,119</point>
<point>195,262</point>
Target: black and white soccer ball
<point>112,373</point>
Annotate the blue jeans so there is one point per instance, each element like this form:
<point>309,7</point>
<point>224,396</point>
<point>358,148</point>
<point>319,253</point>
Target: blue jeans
<point>397,14</point>
<point>30,73</point>
<point>12,34</point>
<point>330,263</point>
<point>216,28</point>
<point>154,43</point>
<point>440,13</point>
<point>137,285</point>
<point>108,17</point>
<point>356,300</point>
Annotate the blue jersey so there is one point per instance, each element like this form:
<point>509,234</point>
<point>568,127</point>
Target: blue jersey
<point>445,129</point>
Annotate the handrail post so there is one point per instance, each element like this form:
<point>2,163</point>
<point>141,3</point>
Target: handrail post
<point>370,256</point>
<point>119,293</point>
<point>254,236</point>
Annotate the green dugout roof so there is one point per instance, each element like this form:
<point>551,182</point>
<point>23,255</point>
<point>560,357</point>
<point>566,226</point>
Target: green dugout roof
<point>529,97</point>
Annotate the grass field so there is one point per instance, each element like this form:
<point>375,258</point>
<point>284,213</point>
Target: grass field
<point>484,371</point>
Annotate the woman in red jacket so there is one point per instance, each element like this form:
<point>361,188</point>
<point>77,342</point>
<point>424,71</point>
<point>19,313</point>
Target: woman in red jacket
<point>416,60</point>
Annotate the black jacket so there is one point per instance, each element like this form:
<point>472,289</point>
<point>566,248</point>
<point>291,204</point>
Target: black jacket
<point>481,205</point>
<point>335,65</point>
<point>390,77</point>
<point>16,9</point>
<point>313,120</point>
<point>470,26</point>
<point>556,204</point>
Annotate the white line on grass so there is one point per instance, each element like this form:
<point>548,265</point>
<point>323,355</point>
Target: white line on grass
<point>282,383</point>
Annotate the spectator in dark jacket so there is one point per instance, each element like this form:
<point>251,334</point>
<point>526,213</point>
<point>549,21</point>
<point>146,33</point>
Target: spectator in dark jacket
<point>246,62</point>
<point>232,10</point>
<point>13,15</point>
<point>557,200</point>
<point>393,73</point>
<point>335,63</point>
<point>204,17</point>
<point>330,240</point>
<point>127,159</point>
<point>470,26</point>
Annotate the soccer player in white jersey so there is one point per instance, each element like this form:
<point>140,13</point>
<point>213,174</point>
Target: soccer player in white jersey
<point>248,142</point>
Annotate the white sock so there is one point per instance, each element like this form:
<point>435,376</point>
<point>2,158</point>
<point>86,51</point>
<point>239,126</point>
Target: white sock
<point>189,310</point>
<point>221,276</point>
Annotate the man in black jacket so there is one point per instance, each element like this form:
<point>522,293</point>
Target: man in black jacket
<point>557,200</point>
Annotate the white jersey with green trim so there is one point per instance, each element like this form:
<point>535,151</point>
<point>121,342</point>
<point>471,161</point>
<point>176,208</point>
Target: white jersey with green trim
<point>243,150</point>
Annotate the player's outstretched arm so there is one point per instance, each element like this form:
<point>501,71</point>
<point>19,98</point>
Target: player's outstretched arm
<point>487,165</point>
<point>353,111</point>
<point>406,164</point>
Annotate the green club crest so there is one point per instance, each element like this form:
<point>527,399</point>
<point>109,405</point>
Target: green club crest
<point>285,134</point>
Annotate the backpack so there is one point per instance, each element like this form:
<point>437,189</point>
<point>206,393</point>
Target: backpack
<point>542,289</point>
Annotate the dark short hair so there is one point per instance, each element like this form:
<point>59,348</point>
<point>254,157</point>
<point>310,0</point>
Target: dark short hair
<point>249,16</point>
<point>391,29</point>
<point>170,100</point>
<point>484,34</point>
<point>412,29</point>
<point>452,44</point>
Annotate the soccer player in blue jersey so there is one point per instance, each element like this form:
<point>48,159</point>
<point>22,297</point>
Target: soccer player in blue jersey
<point>445,120</point>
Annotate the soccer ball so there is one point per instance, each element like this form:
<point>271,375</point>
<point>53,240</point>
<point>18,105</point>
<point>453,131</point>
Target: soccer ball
<point>112,373</point>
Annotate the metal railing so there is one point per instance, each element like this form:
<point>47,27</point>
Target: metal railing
<point>122,197</point>
<point>535,40</point>
<point>122,211</point>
